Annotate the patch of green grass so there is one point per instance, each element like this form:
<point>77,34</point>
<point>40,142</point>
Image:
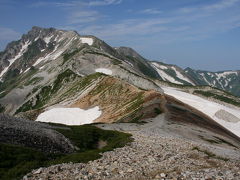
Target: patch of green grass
<point>2,108</point>
<point>68,56</point>
<point>209,154</point>
<point>136,102</point>
<point>33,50</point>
<point>220,140</point>
<point>13,80</point>
<point>217,140</point>
<point>81,84</point>
<point>145,69</point>
<point>34,81</point>
<point>115,61</point>
<point>158,110</point>
<point>48,91</point>
<point>137,119</point>
<point>218,97</point>
<point>17,161</point>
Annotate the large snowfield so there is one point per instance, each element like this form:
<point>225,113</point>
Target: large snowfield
<point>70,116</point>
<point>209,108</point>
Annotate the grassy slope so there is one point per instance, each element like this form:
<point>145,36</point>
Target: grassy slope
<point>224,98</point>
<point>17,161</point>
<point>49,92</point>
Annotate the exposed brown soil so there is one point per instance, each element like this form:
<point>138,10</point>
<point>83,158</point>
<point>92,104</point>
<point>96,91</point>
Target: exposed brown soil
<point>120,101</point>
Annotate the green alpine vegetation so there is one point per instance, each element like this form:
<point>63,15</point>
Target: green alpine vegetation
<point>17,161</point>
<point>218,97</point>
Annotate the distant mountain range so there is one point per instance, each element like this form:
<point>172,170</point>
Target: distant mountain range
<point>225,80</point>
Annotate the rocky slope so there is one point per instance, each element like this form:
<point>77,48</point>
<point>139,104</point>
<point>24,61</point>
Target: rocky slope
<point>159,151</point>
<point>33,134</point>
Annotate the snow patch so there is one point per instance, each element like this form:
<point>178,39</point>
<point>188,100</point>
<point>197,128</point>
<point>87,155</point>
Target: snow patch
<point>48,38</point>
<point>55,54</point>
<point>11,61</point>
<point>70,116</point>
<point>180,76</point>
<point>224,74</point>
<point>104,71</point>
<point>207,107</point>
<point>159,66</point>
<point>128,63</point>
<point>26,70</point>
<point>204,78</point>
<point>36,38</point>
<point>165,76</point>
<point>89,41</point>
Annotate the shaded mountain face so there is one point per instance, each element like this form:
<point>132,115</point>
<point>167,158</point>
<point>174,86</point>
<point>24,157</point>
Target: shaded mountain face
<point>224,80</point>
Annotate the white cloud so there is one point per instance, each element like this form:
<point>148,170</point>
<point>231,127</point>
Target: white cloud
<point>83,16</point>
<point>221,5</point>
<point>151,11</point>
<point>56,4</point>
<point>76,3</point>
<point>104,2</point>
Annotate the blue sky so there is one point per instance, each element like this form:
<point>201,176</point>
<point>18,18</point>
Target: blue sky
<point>202,34</point>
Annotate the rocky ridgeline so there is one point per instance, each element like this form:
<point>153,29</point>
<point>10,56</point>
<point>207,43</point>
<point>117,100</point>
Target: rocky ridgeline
<point>148,157</point>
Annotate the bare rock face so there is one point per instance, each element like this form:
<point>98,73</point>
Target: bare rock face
<point>33,134</point>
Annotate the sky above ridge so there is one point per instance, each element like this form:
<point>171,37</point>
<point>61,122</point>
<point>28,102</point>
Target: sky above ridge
<point>202,34</point>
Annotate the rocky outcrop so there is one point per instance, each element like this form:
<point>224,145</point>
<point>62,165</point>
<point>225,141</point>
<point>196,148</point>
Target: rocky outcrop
<point>33,134</point>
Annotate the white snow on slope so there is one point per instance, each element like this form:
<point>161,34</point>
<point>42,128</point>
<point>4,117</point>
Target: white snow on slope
<point>11,61</point>
<point>204,78</point>
<point>48,38</point>
<point>165,76</point>
<point>180,76</point>
<point>207,107</point>
<point>104,71</point>
<point>26,70</point>
<point>70,116</point>
<point>89,41</point>
<point>55,54</point>
<point>159,66</point>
